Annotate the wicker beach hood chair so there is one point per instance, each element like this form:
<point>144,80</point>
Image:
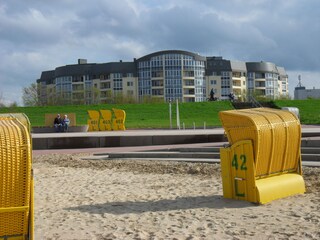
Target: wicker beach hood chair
<point>16,179</point>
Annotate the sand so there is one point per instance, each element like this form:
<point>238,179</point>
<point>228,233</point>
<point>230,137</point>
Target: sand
<point>90,199</point>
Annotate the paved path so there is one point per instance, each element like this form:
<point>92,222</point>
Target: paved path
<point>153,132</point>
<point>131,133</point>
<point>312,129</point>
<point>125,138</point>
<point>125,149</point>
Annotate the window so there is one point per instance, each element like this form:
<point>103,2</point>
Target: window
<point>157,74</point>
<point>260,75</point>
<point>236,74</point>
<point>250,83</point>
<point>105,85</point>
<point>260,84</point>
<point>225,74</point>
<point>157,91</point>
<point>130,84</point>
<point>117,84</point>
<point>213,82</point>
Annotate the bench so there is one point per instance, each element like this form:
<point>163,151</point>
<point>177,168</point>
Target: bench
<point>49,128</point>
<point>49,118</point>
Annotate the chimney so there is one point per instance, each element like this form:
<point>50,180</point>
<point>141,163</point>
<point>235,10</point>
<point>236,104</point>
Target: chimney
<point>82,61</point>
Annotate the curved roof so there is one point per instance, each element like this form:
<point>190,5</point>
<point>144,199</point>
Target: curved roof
<point>282,71</point>
<point>69,70</point>
<point>96,69</point>
<point>149,56</point>
<point>47,75</point>
<point>238,66</point>
<point>261,67</point>
<point>217,64</point>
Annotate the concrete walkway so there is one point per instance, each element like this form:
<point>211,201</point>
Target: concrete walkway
<point>142,141</point>
<point>129,138</point>
<point>125,138</point>
<point>104,150</point>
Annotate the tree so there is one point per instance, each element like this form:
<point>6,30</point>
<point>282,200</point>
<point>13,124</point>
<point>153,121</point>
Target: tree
<point>30,95</point>
<point>1,100</point>
<point>13,105</point>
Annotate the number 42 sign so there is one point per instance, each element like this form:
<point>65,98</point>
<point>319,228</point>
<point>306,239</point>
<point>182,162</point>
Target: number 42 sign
<point>239,164</point>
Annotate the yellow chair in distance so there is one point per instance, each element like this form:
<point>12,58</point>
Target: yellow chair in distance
<point>105,122</point>
<point>93,121</point>
<point>263,162</point>
<point>16,178</point>
<point>119,119</point>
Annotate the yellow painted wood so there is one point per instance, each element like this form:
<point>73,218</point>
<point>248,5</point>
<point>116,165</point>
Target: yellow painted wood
<point>272,188</point>
<point>16,188</point>
<point>275,138</point>
<point>93,121</point>
<point>119,119</point>
<point>238,171</point>
<point>105,122</point>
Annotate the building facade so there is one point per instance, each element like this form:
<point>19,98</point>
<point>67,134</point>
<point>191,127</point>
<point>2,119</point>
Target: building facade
<point>171,75</point>
<point>161,76</point>
<point>301,93</point>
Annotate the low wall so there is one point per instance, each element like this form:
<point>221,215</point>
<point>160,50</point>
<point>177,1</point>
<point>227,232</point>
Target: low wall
<point>83,128</point>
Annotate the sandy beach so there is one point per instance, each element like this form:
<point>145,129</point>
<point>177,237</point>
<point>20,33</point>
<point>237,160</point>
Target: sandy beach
<point>94,199</point>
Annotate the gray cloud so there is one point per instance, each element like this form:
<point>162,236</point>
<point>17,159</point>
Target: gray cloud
<point>41,35</point>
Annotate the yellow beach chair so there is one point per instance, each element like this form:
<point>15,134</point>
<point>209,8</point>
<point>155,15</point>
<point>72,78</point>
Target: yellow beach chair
<point>105,122</point>
<point>16,178</point>
<point>93,121</point>
<point>119,119</point>
<point>263,162</point>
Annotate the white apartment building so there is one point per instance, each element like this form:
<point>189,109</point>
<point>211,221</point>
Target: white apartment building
<point>161,76</point>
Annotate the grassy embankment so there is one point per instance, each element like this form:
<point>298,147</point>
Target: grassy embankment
<point>309,109</point>
<point>157,115</point>
<point>137,115</point>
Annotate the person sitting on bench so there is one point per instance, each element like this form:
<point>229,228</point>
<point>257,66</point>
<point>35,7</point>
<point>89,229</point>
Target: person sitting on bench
<point>58,123</point>
<point>65,123</point>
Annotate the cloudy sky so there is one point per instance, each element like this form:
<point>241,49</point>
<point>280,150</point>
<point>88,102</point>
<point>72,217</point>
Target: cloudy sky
<point>39,35</point>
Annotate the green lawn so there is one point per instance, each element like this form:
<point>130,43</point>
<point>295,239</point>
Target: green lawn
<point>156,115</point>
<point>309,109</point>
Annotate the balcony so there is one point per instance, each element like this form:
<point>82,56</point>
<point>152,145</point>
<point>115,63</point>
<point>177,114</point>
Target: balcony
<point>157,92</point>
<point>188,99</point>
<point>188,74</point>
<point>188,92</point>
<point>78,88</point>
<point>105,86</point>
<point>260,85</point>
<point>157,74</point>
<point>77,96</point>
<point>236,84</point>
<point>188,83</point>
<point>157,84</point>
